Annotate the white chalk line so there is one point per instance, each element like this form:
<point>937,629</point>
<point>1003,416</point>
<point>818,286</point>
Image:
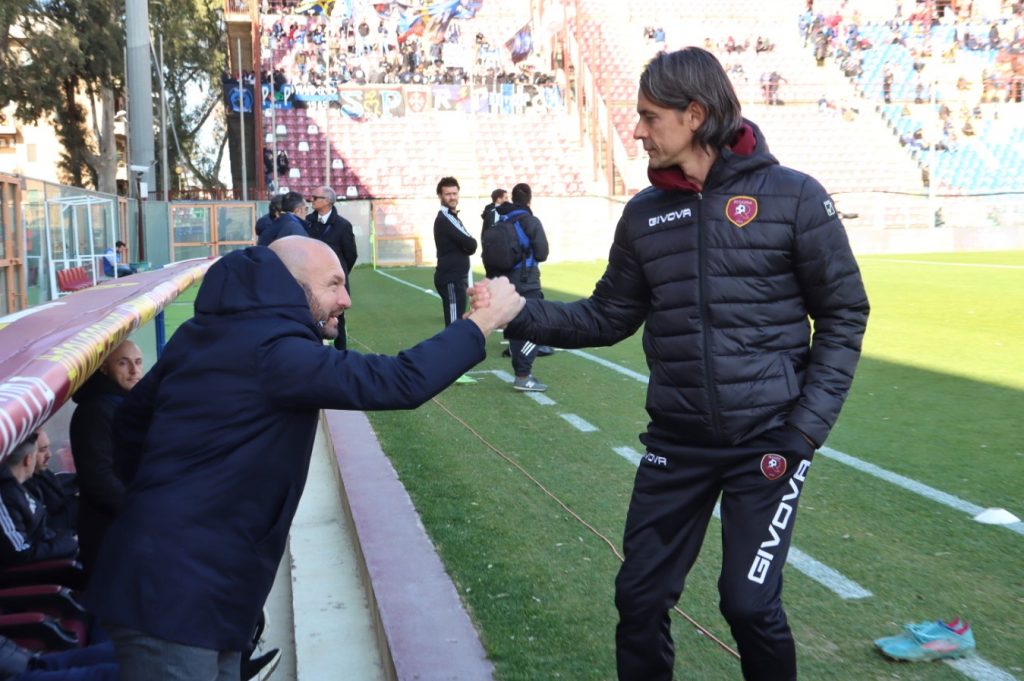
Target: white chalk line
<point>941,264</point>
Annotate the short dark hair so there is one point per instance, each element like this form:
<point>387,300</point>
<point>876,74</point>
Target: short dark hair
<point>21,452</point>
<point>119,244</point>
<point>291,201</point>
<point>275,205</point>
<point>447,182</point>
<point>677,79</point>
<point>497,194</point>
<point>522,194</point>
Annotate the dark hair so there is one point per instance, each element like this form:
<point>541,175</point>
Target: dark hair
<point>21,452</point>
<point>522,194</point>
<point>119,244</point>
<point>676,79</point>
<point>275,205</point>
<point>497,194</point>
<point>291,201</point>
<point>447,182</point>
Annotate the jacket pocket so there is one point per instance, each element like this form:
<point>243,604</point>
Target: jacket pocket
<point>792,384</point>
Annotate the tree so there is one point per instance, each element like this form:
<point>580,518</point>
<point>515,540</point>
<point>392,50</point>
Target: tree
<point>194,50</point>
<point>62,59</point>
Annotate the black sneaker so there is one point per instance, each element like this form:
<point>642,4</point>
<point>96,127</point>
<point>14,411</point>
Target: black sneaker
<point>545,351</point>
<point>260,668</point>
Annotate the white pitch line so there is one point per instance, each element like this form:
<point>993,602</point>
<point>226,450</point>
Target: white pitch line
<point>579,424</point>
<point>428,291</point>
<point>541,399</point>
<point>834,581</point>
<point>979,669</point>
<point>630,455</point>
<point>914,486</point>
<point>946,264</point>
<point>611,365</point>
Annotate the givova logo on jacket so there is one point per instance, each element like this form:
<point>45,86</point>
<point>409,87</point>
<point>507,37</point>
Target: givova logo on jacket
<point>741,210</point>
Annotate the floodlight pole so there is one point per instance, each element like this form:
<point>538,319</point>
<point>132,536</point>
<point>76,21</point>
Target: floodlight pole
<point>140,87</point>
<point>241,121</point>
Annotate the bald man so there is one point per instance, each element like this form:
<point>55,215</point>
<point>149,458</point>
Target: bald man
<point>101,490</point>
<point>225,423</point>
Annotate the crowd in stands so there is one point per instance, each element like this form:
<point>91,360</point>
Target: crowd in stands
<point>327,51</point>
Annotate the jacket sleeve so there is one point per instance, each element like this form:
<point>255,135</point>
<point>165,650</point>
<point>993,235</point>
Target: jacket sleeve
<point>18,545</point>
<point>92,446</point>
<point>348,244</point>
<point>614,311</point>
<point>298,373</point>
<point>444,231</point>
<point>538,239</point>
<point>837,304</point>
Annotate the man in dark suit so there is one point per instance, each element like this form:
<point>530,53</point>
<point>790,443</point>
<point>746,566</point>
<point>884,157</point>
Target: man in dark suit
<point>223,427</point>
<point>325,224</point>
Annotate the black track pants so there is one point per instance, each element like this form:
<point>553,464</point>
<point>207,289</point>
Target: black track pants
<point>673,498</point>
<point>453,297</point>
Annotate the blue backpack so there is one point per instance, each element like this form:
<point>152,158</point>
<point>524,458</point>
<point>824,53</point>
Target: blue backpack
<point>505,245</point>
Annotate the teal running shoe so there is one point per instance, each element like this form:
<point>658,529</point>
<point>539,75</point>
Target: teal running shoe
<point>926,641</point>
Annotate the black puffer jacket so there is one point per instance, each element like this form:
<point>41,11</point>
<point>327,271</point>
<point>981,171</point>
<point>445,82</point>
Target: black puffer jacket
<point>726,302</point>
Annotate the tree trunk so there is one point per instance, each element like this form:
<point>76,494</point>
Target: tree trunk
<point>104,164</point>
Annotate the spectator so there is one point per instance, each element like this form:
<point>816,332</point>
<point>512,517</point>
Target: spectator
<point>489,214</point>
<point>58,493</point>
<point>283,164</point>
<point>525,276</point>
<point>225,422</point>
<point>741,393</point>
<point>98,464</point>
<point>24,534</point>
<point>268,168</point>
<point>114,261</point>
<point>291,221</point>
<point>325,224</point>
<point>887,80</point>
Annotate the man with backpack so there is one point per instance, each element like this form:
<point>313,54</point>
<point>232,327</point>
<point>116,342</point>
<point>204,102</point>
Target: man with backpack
<point>513,247</point>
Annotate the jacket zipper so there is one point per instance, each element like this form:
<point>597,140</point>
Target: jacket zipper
<point>705,318</point>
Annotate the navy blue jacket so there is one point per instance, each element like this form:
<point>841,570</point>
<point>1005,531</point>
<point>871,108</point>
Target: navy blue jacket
<point>225,423</point>
<point>286,224</point>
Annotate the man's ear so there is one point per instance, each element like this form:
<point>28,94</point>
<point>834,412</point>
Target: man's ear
<point>694,115</point>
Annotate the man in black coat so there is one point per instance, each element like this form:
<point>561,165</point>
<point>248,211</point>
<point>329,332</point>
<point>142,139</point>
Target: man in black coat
<point>729,261</point>
<point>58,493</point>
<point>100,482</point>
<point>325,224</point>
<point>223,428</point>
<point>24,535</point>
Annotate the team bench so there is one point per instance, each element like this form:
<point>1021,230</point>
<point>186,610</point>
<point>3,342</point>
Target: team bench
<point>73,279</point>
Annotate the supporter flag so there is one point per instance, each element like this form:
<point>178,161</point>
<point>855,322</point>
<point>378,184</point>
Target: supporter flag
<point>435,17</point>
<point>315,7</point>
<point>521,43</point>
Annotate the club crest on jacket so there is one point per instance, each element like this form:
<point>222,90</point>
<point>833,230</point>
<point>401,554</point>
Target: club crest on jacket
<point>741,210</point>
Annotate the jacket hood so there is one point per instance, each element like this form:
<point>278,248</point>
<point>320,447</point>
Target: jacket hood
<point>252,280</point>
<point>748,151</point>
<point>97,385</point>
<point>508,207</point>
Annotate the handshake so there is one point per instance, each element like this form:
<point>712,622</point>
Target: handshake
<point>494,303</point>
